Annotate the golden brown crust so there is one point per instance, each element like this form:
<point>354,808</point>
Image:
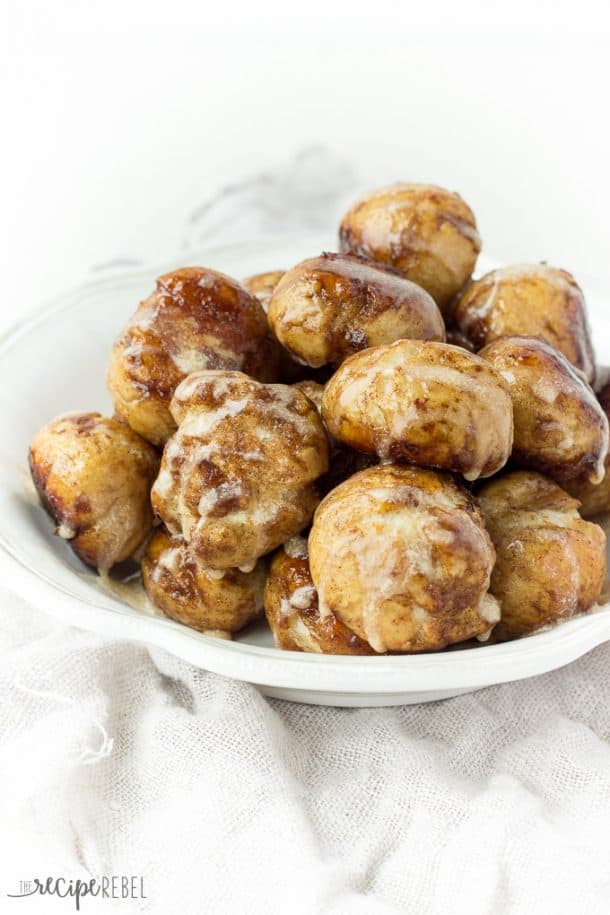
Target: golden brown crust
<point>533,300</point>
<point>427,232</point>
<point>328,307</point>
<point>293,614</point>
<point>196,319</point>
<point>425,403</point>
<point>238,477</point>
<point>401,557</point>
<point>93,476</point>
<point>185,591</point>
<point>550,563</point>
<point>560,428</point>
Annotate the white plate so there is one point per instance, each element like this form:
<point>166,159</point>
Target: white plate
<point>56,361</point>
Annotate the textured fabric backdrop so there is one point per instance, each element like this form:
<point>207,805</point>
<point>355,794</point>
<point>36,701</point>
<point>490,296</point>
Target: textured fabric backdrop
<point>119,760</point>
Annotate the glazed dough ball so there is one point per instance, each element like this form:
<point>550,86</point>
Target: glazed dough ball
<point>293,614</point>
<point>201,598</point>
<point>425,403</point>
<point>550,563</point>
<point>401,557</point>
<point>328,307</point>
<point>529,299</point>
<point>261,285</point>
<point>196,319</point>
<point>560,428</point>
<point>594,498</point>
<point>93,476</point>
<point>238,477</point>
<point>428,233</point>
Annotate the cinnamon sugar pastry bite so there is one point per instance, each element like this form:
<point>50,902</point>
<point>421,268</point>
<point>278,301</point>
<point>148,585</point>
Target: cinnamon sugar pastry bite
<point>238,476</point>
<point>328,307</point>
<point>93,476</point>
<point>427,232</point>
<point>424,403</point>
<point>201,598</point>
<point>401,557</point>
<point>529,299</point>
<point>550,563</point>
<point>293,613</point>
<point>560,427</point>
<point>195,319</point>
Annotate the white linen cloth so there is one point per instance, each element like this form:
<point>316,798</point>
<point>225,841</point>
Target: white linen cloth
<point>115,759</point>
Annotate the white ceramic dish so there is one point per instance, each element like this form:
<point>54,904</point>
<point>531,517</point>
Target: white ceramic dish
<point>55,361</point>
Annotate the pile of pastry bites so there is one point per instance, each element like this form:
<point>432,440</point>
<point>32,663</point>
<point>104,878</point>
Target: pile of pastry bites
<point>373,449</point>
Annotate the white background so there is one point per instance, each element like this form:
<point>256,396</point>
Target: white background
<point>119,119</point>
